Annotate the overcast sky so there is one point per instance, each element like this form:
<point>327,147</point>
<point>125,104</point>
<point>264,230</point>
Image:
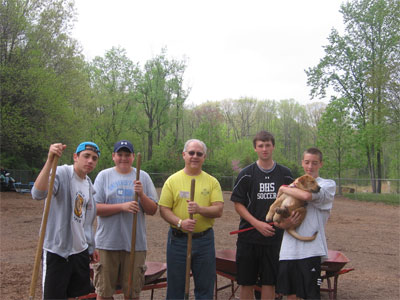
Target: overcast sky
<point>234,49</point>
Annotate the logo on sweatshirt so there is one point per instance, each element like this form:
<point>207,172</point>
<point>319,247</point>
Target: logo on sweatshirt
<point>78,205</point>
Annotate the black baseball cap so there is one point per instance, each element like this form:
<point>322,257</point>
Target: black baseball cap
<point>123,144</point>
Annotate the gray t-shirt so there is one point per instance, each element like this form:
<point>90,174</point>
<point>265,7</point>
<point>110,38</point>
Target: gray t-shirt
<point>115,232</point>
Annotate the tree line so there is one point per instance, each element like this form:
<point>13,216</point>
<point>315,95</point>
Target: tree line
<point>51,93</point>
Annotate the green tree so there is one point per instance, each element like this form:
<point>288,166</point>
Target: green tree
<point>315,111</point>
<point>359,65</point>
<point>240,116</point>
<point>179,96</point>
<point>266,115</point>
<point>392,147</point>
<point>293,134</point>
<point>167,156</point>
<point>42,80</point>
<point>208,124</point>
<point>113,85</point>
<point>338,140</point>
<point>159,87</point>
<point>227,107</point>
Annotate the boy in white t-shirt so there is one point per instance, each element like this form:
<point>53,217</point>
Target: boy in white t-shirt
<point>300,261</point>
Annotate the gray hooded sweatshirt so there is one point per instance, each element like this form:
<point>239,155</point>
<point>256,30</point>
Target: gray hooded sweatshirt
<point>58,238</point>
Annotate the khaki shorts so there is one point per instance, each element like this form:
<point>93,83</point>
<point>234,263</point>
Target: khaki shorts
<point>113,270</point>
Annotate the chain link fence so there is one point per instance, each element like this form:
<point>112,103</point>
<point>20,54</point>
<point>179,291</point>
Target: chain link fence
<point>226,182</point>
<point>22,176</point>
<point>358,185</point>
<point>348,185</point>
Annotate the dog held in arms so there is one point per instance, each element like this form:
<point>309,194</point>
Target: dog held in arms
<point>284,205</point>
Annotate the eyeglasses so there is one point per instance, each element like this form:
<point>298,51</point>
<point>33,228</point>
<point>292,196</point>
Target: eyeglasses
<point>198,154</point>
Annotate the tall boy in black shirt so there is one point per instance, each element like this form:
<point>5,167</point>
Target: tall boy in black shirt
<point>256,188</point>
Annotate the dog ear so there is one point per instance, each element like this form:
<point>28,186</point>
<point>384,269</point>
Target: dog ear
<point>301,180</point>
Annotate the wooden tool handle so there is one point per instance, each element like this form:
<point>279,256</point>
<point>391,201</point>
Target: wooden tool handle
<point>43,228</point>
<point>133,239</point>
<point>189,245</point>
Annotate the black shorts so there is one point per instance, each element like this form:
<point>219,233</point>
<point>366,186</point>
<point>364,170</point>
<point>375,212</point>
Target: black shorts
<point>65,278</point>
<point>257,264</point>
<point>300,277</point>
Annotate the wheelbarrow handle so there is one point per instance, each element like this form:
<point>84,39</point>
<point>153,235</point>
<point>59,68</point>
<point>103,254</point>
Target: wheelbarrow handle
<point>247,229</point>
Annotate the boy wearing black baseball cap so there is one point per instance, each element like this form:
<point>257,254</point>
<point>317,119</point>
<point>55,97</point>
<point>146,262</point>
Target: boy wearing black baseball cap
<point>115,190</point>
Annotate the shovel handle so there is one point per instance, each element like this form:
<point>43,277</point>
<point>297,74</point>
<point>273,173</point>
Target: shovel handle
<point>133,240</point>
<point>189,245</point>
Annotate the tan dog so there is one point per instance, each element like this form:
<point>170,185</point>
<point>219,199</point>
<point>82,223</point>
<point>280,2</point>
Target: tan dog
<point>284,205</point>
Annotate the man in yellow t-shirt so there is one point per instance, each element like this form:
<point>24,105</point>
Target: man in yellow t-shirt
<point>175,208</point>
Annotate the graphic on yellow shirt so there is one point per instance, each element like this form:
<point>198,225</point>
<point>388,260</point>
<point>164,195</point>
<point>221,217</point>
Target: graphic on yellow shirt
<point>78,206</point>
<point>205,192</point>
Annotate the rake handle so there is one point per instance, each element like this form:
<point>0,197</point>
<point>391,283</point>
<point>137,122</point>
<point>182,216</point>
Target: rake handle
<point>39,248</point>
<point>189,245</point>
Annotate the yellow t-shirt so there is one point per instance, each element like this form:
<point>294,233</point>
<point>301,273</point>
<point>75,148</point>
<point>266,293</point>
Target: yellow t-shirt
<point>176,192</point>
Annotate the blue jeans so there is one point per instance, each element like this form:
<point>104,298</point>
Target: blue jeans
<point>203,266</point>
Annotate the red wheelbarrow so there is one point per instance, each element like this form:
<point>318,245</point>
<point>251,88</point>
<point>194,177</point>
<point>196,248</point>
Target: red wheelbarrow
<point>225,261</point>
<point>152,278</point>
<point>333,267</point>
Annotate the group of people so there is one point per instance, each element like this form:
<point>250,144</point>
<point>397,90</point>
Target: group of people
<point>265,256</point>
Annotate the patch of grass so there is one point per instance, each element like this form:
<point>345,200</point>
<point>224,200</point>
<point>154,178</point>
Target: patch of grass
<point>392,199</point>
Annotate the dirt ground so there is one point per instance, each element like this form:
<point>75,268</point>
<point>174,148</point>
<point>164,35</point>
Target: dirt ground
<point>367,233</point>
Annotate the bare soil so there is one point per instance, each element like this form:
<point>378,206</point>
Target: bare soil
<point>367,233</point>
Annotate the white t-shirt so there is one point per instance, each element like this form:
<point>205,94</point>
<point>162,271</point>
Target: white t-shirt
<point>80,199</point>
<point>318,211</point>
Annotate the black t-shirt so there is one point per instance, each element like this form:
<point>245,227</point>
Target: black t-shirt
<point>257,189</point>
